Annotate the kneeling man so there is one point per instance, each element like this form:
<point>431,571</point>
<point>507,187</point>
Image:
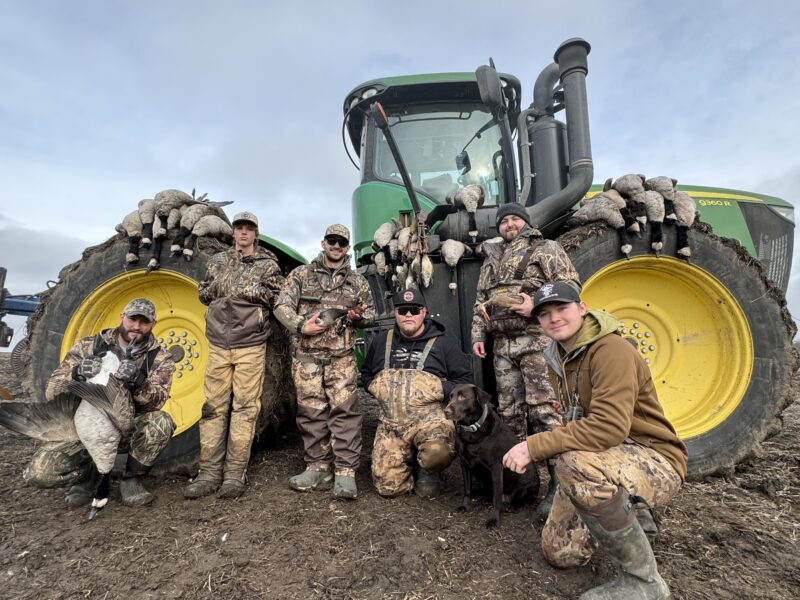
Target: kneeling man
<point>411,370</point>
<point>615,451</point>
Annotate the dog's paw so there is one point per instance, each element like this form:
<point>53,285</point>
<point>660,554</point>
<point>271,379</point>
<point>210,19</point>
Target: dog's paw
<point>462,508</point>
<point>493,522</point>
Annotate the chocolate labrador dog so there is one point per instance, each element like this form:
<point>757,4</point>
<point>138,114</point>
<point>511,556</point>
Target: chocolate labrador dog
<point>481,441</point>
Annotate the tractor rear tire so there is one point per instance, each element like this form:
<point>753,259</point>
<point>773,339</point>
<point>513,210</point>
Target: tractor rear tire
<point>715,331</point>
<point>90,296</point>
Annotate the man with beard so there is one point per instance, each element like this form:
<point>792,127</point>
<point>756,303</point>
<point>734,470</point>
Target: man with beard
<point>239,289</point>
<point>411,369</point>
<point>146,370</point>
<point>514,269</point>
<point>322,304</point>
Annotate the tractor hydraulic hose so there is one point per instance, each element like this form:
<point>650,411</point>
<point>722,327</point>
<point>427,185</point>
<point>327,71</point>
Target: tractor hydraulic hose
<point>572,63</point>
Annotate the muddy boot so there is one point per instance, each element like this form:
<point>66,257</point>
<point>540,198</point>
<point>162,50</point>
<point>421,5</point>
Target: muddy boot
<point>311,480</point>
<point>82,492</point>
<point>345,487</point>
<point>616,529</point>
<point>543,509</point>
<point>427,484</point>
<point>231,489</point>
<point>130,488</point>
<point>199,488</point>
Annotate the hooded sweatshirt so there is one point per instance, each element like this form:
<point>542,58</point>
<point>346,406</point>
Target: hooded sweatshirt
<point>615,390</point>
<point>445,360</point>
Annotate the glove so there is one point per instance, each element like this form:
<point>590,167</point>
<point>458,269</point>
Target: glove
<point>127,371</point>
<point>88,368</point>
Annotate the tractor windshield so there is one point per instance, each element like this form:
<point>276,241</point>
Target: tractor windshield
<point>444,146</point>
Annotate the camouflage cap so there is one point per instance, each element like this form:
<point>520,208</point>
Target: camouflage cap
<point>245,217</point>
<point>140,307</point>
<point>339,230</point>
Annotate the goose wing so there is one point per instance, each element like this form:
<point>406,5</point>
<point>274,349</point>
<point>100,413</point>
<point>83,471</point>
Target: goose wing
<point>47,421</point>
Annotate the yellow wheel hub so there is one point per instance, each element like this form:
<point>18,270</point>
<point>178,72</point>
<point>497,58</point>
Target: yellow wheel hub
<point>688,328</point>
<point>180,328</point>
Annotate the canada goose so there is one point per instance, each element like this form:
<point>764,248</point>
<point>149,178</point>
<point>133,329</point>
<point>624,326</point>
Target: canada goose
<point>452,251</point>
<point>666,187</point>
<point>605,207</point>
<point>470,198</point>
<point>97,413</point>
<point>686,213</point>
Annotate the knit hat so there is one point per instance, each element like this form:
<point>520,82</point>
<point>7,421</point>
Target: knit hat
<point>512,208</point>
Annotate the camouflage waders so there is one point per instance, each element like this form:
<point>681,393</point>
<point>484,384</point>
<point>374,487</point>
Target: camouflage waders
<point>411,419</point>
<point>227,426</point>
<point>588,479</point>
<point>328,415</point>
<point>57,464</point>
<point>524,393</point>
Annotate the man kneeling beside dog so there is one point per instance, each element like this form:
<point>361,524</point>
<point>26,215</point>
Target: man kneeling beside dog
<point>615,451</point>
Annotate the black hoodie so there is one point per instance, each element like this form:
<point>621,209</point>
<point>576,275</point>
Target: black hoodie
<point>445,360</point>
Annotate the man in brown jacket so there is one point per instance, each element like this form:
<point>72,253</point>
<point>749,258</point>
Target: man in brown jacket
<point>239,289</point>
<point>615,450</point>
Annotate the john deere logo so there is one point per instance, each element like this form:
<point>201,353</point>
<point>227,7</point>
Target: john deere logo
<point>408,296</point>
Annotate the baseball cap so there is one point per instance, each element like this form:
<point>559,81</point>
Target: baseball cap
<point>409,297</point>
<point>554,292</point>
<point>339,230</point>
<point>140,307</point>
<point>245,217</point>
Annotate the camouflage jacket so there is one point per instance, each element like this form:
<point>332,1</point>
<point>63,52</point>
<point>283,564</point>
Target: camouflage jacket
<point>548,262</point>
<point>314,287</point>
<point>155,378</point>
<point>239,291</point>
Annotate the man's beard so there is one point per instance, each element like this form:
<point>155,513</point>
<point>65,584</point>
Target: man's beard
<point>410,330</point>
<point>134,338</point>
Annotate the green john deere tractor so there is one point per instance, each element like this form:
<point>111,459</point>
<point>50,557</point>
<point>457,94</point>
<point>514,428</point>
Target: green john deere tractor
<point>714,329</point>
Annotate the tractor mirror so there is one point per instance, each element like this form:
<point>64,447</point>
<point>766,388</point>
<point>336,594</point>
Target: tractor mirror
<point>463,163</point>
<point>489,86</point>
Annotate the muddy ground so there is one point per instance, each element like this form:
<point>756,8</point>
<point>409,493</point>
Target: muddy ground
<point>723,538</point>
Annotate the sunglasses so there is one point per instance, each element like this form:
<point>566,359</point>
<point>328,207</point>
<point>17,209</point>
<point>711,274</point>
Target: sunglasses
<point>336,240</point>
<point>408,310</point>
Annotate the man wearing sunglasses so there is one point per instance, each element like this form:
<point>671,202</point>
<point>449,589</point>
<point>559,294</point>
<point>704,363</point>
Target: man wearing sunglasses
<point>411,369</point>
<point>322,304</point>
<point>517,267</point>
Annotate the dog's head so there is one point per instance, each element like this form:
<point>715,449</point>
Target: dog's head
<point>465,400</point>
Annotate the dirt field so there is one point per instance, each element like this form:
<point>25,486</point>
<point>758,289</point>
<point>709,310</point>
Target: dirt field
<point>724,538</point>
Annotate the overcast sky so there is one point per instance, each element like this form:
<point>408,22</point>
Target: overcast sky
<point>103,103</point>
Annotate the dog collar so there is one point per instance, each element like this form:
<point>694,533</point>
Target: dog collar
<point>477,424</point>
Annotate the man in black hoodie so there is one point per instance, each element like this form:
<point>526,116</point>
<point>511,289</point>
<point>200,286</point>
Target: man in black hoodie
<point>411,370</point>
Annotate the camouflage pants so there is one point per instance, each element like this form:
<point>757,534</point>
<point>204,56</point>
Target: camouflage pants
<point>227,426</point>
<point>328,414</point>
<point>433,438</point>
<point>587,479</point>
<point>524,394</point>
<point>58,464</point>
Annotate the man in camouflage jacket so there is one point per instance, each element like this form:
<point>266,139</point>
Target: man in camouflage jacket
<point>146,369</point>
<point>321,305</point>
<point>517,267</point>
<point>239,289</point>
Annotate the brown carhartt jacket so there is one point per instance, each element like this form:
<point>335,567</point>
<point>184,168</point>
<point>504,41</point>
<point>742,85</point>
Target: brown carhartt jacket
<point>616,392</point>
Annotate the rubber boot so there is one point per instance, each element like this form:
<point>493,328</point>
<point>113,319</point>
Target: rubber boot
<point>82,492</point>
<point>199,488</point>
<point>616,529</point>
<point>345,488</point>
<point>311,480</point>
<point>427,484</point>
<point>543,509</point>
<point>231,489</point>
<point>131,489</point>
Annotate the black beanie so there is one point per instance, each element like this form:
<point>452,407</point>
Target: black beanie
<point>512,208</point>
